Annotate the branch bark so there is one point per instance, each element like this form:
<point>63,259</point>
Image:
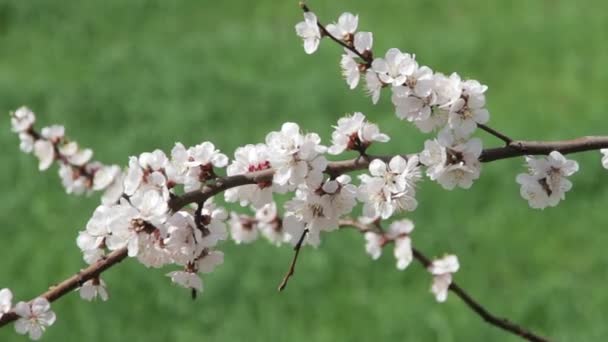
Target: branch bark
<point>292,266</point>
<point>75,281</point>
<point>516,148</point>
<point>520,148</point>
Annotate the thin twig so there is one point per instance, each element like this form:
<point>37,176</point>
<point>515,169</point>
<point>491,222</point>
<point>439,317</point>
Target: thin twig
<point>495,133</point>
<point>491,319</point>
<point>292,266</point>
<point>498,322</point>
<point>368,59</point>
<point>75,281</point>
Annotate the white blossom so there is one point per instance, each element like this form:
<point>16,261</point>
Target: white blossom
<point>309,210</point>
<point>415,99</point>
<point>216,227</point>
<point>442,270</point>
<point>399,174</point>
<point>379,201</point>
<point>270,225</point>
<point>363,41</point>
<point>183,241</point>
<point>202,159</point>
<point>399,231</point>
<point>546,183</point>
<point>34,317</point>
<point>105,176</point>
<point>6,299</point>
<point>243,229</point>
<point>351,67</point>
<point>22,120</point>
<point>53,133</point>
<point>26,142</point>
<point>92,289</point>
<point>296,158</point>
<point>186,279</point>
<point>604,152</point>
<point>45,152</point>
<point>373,85</point>
<point>250,158</point>
<point>448,89</point>
<point>395,67</point>
<point>342,195</point>
<point>452,164</point>
<point>209,261</point>
<point>390,188</point>
<point>309,32</point>
<point>469,110</point>
<point>355,133</point>
<point>373,244</point>
<point>345,27</point>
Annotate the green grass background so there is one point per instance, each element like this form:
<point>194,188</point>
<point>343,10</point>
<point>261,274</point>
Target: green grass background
<point>130,76</point>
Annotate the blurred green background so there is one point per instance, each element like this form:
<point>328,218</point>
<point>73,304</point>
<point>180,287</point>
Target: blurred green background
<point>130,76</point>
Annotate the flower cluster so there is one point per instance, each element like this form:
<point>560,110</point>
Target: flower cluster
<point>399,233</point>
<point>78,173</point>
<point>546,183</point>
<point>318,209</point>
<point>390,188</point>
<point>355,133</point>
<point>34,316</point>
<point>431,101</point>
<point>143,222</point>
<point>246,229</point>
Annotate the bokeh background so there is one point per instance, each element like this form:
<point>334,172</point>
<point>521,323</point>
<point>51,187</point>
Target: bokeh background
<point>130,76</point>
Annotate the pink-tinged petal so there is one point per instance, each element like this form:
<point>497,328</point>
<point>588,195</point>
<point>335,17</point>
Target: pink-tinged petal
<point>45,153</point>
<point>22,326</point>
<point>40,305</point>
<point>22,309</point>
<point>397,164</point>
<point>377,168</point>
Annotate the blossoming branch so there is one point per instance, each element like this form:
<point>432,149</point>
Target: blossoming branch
<point>164,209</point>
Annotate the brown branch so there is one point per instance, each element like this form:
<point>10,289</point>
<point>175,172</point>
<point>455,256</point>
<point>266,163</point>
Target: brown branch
<point>521,148</point>
<point>516,148</point>
<point>292,266</point>
<point>75,281</point>
<point>501,323</point>
<point>367,58</point>
<point>491,319</point>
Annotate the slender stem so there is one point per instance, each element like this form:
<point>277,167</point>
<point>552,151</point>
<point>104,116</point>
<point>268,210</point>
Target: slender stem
<point>495,133</point>
<point>519,148</point>
<point>292,265</point>
<point>368,59</point>
<point>487,316</point>
<point>75,281</point>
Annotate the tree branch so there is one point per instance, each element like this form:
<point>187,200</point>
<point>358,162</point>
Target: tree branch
<point>292,266</point>
<point>75,281</point>
<point>521,148</point>
<point>488,317</point>
<point>516,148</point>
